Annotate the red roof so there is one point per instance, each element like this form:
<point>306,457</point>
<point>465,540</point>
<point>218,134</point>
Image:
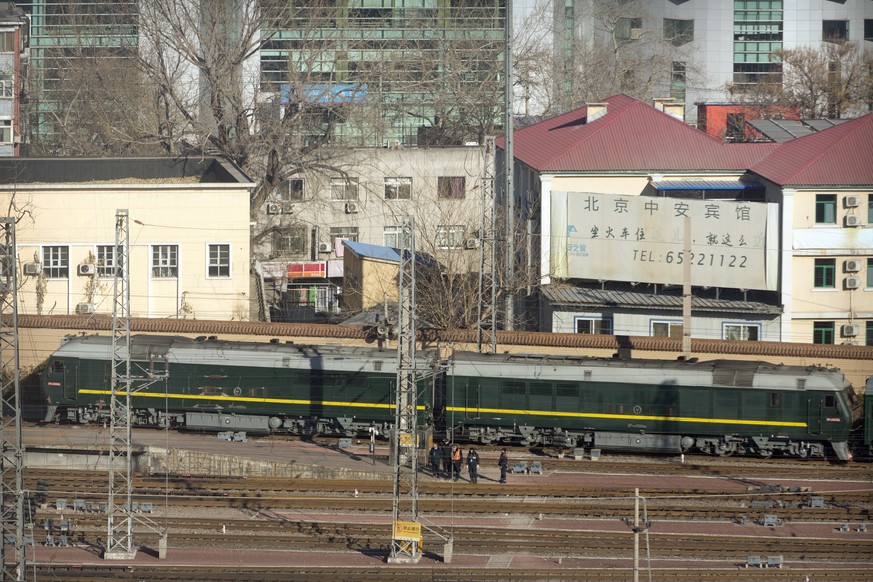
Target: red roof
<point>632,135</point>
<point>838,156</point>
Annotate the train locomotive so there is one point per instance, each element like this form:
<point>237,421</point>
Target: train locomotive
<point>719,407</point>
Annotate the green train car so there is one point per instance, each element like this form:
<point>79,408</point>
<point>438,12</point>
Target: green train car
<point>720,407</point>
<point>206,384</point>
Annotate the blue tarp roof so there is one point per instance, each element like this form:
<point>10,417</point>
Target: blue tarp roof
<point>372,251</point>
<point>704,185</point>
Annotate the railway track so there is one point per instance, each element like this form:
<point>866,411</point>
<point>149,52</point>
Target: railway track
<point>443,574</point>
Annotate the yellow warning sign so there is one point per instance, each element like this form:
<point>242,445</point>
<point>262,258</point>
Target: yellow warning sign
<point>407,439</point>
<point>407,530</point>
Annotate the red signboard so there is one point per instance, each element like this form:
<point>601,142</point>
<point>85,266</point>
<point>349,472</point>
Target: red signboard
<point>310,269</point>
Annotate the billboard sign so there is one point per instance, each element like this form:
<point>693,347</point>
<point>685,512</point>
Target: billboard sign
<point>734,244</point>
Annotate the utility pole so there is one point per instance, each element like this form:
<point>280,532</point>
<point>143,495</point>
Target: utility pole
<point>486,318</point>
<point>686,291</point>
<point>508,169</point>
<point>12,459</point>
<point>119,528</point>
<point>406,529</point>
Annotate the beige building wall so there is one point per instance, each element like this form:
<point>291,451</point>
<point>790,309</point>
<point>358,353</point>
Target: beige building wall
<point>850,301</point>
<point>369,209</point>
<point>189,216</point>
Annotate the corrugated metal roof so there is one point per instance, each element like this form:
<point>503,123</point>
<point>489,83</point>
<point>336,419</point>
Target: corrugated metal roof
<point>565,295</point>
<point>369,251</point>
<point>704,185</point>
<point>839,156</point>
<point>632,135</point>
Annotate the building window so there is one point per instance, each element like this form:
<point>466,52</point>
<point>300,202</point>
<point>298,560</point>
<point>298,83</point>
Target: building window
<point>739,331</point>
<point>450,237</point>
<point>667,329</point>
<point>823,332</point>
<point>343,188</point>
<point>398,188</point>
<point>825,208</point>
<point>7,42</point>
<point>869,334</point>
<point>835,30</point>
<point>628,28</point>
<point>677,81</point>
<point>869,273</point>
<point>736,126</point>
<point>290,241</point>
<point>165,261</point>
<point>219,261</point>
<point>346,232</point>
<point>678,32</point>
<point>451,187</point>
<point>108,259</point>
<point>392,236</point>
<point>825,274</point>
<point>5,131</point>
<point>868,29</point>
<point>869,208</point>
<point>291,190</point>
<point>56,262</point>
<point>594,325</point>
<point>7,85</point>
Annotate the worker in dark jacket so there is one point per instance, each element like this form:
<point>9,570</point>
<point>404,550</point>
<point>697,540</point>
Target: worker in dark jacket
<point>446,451</point>
<point>503,463</point>
<point>473,465</point>
<point>435,456</point>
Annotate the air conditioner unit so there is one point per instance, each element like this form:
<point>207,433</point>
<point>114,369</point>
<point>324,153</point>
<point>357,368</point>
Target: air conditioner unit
<point>32,268</point>
<point>352,208</point>
<point>850,330</point>
<point>636,33</point>
<point>471,243</point>
<point>324,247</point>
<point>852,266</point>
<point>852,220</point>
<point>87,269</point>
<point>274,208</point>
<point>853,282</point>
<point>86,308</point>
<point>852,201</point>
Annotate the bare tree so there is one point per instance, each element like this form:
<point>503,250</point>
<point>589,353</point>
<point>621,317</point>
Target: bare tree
<point>828,82</point>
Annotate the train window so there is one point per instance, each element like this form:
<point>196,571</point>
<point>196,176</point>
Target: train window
<point>58,366</point>
<point>774,399</point>
<point>829,401</point>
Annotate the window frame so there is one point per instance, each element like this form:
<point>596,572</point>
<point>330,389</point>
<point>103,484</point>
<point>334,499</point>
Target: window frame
<point>220,265</point>
<point>823,204</point>
<point>344,189</point>
<point>676,31</point>
<point>394,232</point>
<point>823,330</point>
<point>346,232</point>
<point>55,261</point>
<point>6,131</point>
<point>396,186</point>
<point>106,260</point>
<point>451,187</point>
<point>283,239</point>
<point>744,328</point>
<point>868,29</point>
<point>824,274</point>
<point>869,333</point>
<point>289,194</point>
<point>164,261</point>
<point>596,325</point>
<point>671,324</point>
<point>869,278</point>
<point>841,26</point>
<point>447,236</point>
